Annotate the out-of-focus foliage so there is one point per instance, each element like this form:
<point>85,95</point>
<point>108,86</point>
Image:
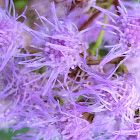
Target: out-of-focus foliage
<point>7,135</point>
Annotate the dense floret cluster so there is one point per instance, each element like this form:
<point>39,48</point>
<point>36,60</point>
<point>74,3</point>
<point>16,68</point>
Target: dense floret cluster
<point>60,86</point>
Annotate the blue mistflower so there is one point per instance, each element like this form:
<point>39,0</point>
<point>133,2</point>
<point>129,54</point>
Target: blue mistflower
<point>113,102</point>
<point>62,49</point>
<point>11,33</point>
<point>18,92</point>
<point>119,96</point>
<point>65,122</point>
<point>125,27</point>
<point>50,88</point>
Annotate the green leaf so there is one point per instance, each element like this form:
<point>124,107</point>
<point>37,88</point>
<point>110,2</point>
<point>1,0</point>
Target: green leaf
<point>103,52</point>
<point>23,130</point>
<point>7,135</point>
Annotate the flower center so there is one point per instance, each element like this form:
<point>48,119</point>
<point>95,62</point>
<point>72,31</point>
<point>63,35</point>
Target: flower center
<point>130,28</point>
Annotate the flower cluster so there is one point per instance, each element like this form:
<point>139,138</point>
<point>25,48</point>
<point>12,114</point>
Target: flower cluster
<point>61,87</point>
<point>11,34</point>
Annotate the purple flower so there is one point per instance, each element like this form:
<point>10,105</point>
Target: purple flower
<point>71,124</point>
<point>61,49</point>
<point>113,102</point>
<point>18,90</point>
<point>108,127</point>
<point>64,122</point>
<point>11,33</point>
<point>125,27</point>
<point>116,97</point>
<point>120,98</point>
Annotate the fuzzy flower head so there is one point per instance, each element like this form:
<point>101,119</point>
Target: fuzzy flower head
<point>126,28</point>
<point>121,98</point>
<point>50,121</point>
<point>129,31</point>
<point>17,90</point>
<point>62,47</point>
<point>72,125</point>
<point>63,44</point>
<point>117,97</point>
<point>11,33</point>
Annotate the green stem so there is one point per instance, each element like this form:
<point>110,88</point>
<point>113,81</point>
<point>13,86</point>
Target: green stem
<point>100,36</point>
